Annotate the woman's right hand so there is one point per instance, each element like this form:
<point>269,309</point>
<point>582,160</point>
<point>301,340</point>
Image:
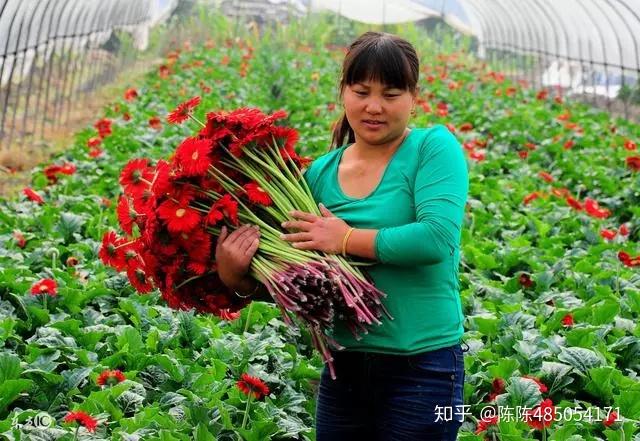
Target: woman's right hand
<point>234,252</point>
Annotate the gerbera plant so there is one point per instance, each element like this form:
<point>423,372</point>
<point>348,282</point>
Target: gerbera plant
<point>239,168</point>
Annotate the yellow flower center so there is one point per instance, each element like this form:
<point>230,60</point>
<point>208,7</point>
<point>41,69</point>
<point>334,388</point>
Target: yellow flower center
<point>194,156</point>
<point>43,288</point>
<point>180,212</point>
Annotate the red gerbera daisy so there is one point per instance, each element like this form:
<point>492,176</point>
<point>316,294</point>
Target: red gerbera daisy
<point>112,251</point>
<point>103,126</point>
<point>83,419</point>
<point>257,195</point>
<point>593,209</point>
<point>567,320</point>
<point>32,195</point>
<point>181,113</point>
<point>541,416</point>
<point>574,203</point>
<point>111,377</point>
<point>130,94</point>
<point>226,314</point>
<point>21,242</point>
<point>611,419</point>
<point>608,234</point>
<point>228,206</point>
<point>94,142</point>
<point>45,286</point>
<point>139,279</point>
<point>629,145</point>
<point>191,157</point>
<point>51,171</point>
<point>155,123</point>
<point>178,215</point>
<point>135,176</point>
<point>531,196</point>
<point>543,388</point>
<point>485,423</point>
<point>633,162</point>
<point>546,176</point>
<point>94,153</point>
<point>252,385</point>
<point>126,214</point>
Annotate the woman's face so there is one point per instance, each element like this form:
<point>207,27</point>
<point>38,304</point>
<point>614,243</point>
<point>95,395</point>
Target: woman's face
<point>378,114</point>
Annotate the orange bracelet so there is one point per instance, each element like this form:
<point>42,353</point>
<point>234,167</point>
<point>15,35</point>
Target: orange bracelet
<point>344,241</point>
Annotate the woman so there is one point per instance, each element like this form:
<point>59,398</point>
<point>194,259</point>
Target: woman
<point>396,196</point>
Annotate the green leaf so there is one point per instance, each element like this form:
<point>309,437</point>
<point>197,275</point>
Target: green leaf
<point>523,392</point>
<point>581,359</point>
<point>203,434</point>
<point>504,368</point>
<point>9,367</point>
<point>600,383</point>
<point>629,403</point>
<point>605,313</point>
<point>69,224</point>
<point>10,390</point>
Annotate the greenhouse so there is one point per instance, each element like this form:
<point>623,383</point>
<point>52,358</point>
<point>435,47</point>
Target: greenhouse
<point>320,220</point>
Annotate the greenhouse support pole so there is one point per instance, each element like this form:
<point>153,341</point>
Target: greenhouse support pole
<point>13,65</point>
<point>50,68</point>
<point>25,50</point>
<point>46,13</point>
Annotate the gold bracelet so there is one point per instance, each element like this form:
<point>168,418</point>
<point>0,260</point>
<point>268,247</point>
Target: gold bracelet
<point>252,292</point>
<point>344,241</point>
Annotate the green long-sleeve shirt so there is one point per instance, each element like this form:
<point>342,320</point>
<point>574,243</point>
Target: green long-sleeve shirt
<point>418,208</point>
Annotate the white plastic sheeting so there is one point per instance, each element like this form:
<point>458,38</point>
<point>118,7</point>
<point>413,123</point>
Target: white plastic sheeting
<point>31,29</point>
<point>595,31</point>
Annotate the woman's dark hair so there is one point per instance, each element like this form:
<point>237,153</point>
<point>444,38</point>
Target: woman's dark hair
<point>376,56</point>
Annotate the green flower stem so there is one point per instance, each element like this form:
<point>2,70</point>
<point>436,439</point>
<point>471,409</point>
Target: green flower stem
<point>44,301</point>
<point>246,324</point>
<point>544,433</point>
<point>54,258</point>
<point>276,173</point>
<point>305,197</point>
<point>75,436</point>
<point>246,411</point>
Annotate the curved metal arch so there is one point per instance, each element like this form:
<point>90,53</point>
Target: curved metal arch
<point>80,58</point>
<point>482,37</point>
<point>540,42</point>
<point>629,28</point>
<point>486,35</point>
<point>59,103</point>
<point>619,50</point>
<point>520,42</point>
<point>604,49</point>
<point>34,13</point>
<point>14,62</point>
<point>106,24</point>
<point>589,58</point>
<point>504,44</point>
<point>54,39</point>
<point>509,43</point>
<point>635,45</point>
<point>551,18</point>
<point>495,39</point>
<point>42,32</point>
<point>526,49</point>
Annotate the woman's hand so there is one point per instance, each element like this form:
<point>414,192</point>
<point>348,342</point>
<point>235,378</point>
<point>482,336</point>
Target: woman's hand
<point>315,232</point>
<point>234,253</point>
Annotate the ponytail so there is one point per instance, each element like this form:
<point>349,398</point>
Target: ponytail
<point>341,130</point>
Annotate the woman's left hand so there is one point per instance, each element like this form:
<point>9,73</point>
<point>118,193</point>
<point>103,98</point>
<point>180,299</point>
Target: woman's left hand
<point>315,232</point>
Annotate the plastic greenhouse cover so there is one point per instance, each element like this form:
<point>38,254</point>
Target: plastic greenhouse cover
<point>27,24</point>
<point>601,31</point>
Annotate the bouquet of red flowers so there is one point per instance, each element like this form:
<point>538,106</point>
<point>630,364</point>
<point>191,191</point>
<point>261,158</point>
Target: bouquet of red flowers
<point>240,168</point>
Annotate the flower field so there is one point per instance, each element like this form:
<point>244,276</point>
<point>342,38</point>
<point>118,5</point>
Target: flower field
<point>550,274</point>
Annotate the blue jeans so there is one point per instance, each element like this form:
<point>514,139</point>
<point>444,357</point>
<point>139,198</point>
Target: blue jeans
<point>392,397</point>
